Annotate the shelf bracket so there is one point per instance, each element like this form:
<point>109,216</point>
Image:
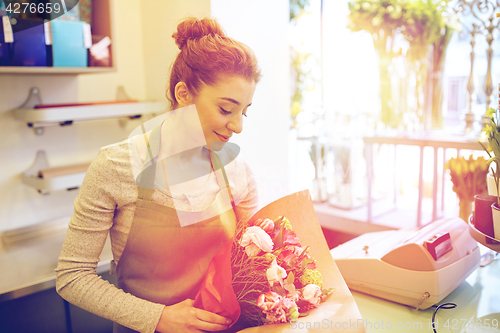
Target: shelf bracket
<point>121,95</point>
<point>34,94</point>
<point>34,98</point>
<point>30,176</point>
<point>40,163</point>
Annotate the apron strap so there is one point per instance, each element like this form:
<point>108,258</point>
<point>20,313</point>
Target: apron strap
<point>147,176</point>
<point>217,164</point>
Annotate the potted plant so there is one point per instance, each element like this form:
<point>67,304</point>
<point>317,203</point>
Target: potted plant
<point>469,180</point>
<point>493,134</point>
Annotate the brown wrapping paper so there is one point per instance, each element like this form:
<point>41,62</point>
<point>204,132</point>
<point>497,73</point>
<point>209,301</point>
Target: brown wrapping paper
<point>63,171</point>
<point>339,313</point>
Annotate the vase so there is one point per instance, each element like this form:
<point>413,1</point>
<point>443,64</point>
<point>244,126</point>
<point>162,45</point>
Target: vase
<point>495,209</point>
<point>465,209</point>
<point>483,218</point>
<point>490,182</point>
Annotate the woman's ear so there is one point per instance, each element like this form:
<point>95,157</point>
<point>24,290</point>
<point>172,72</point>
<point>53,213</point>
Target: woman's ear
<point>183,95</point>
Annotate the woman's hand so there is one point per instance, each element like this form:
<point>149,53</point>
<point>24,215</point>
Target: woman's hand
<point>183,317</point>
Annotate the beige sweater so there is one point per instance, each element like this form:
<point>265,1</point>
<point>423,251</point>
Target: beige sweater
<point>106,204</point>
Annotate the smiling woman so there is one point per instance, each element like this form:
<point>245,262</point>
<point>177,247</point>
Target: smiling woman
<point>164,233</point>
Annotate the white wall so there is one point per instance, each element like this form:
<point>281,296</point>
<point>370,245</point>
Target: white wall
<point>262,25</point>
<point>159,21</point>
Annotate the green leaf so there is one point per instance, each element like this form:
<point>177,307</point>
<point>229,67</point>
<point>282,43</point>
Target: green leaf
<point>279,290</point>
<point>327,291</point>
<point>290,278</point>
<point>306,261</point>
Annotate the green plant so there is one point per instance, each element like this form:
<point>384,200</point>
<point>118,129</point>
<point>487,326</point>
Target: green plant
<point>493,134</point>
<point>297,8</point>
<point>302,79</point>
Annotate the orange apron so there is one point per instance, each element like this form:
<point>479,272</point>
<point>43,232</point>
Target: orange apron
<point>163,262</point>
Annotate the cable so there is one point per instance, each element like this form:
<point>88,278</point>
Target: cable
<point>444,306</point>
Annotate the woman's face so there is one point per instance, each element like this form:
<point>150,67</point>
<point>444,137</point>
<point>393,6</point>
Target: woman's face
<point>221,107</point>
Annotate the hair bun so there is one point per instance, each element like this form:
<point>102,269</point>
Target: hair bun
<point>193,28</point>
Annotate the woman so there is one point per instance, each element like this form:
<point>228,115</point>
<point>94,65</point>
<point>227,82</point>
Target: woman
<point>164,230</point>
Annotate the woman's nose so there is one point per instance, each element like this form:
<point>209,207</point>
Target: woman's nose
<point>235,124</point>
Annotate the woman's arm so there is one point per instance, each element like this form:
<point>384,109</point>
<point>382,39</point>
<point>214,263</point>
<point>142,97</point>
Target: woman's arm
<point>77,281</point>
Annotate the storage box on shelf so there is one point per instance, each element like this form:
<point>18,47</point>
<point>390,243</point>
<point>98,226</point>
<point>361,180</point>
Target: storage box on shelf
<point>102,26</point>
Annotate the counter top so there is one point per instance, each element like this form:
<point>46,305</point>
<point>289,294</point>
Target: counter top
<point>28,258</point>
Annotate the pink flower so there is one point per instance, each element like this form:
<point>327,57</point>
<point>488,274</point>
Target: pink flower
<point>268,301</point>
<point>255,239</point>
<point>278,309</point>
<point>267,225</point>
<point>312,294</point>
<point>287,257</point>
<point>275,274</point>
<point>290,238</point>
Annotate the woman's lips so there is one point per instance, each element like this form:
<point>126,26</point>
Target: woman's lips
<point>222,137</point>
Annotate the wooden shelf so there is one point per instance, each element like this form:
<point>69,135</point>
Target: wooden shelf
<point>102,25</point>
<point>68,115</point>
<point>54,70</point>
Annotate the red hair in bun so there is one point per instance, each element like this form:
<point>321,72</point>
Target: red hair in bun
<point>208,55</point>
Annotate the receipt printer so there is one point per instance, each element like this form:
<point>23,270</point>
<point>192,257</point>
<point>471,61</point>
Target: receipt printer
<point>417,267</point>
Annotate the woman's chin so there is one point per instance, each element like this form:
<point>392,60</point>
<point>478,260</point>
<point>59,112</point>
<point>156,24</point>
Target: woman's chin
<point>215,146</point>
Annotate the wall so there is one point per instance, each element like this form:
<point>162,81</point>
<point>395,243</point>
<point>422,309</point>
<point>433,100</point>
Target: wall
<point>159,21</point>
<point>262,25</point>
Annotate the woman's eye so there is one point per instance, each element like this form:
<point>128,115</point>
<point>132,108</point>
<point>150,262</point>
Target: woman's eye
<point>224,111</point>
<point>245,114</point>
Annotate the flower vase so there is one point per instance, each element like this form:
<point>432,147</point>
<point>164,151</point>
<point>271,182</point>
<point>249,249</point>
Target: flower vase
<point>465,209</point>
<point>492,187</point>
<point>496,220</point>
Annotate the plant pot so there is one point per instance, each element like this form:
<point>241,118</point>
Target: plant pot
<point>483,217</point>
<point>490,182</point>
<point>496,220</point>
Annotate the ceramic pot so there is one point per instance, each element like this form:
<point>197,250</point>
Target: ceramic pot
<point>483,217</point>
<point>496,220</point>
<point>490,182</point>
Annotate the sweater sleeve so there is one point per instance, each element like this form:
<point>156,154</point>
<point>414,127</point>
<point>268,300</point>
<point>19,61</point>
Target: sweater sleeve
<point>76,278</point>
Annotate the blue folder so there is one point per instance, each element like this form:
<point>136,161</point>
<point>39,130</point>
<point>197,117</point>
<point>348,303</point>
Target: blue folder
<point>28,48</point>
<point>67,44</point>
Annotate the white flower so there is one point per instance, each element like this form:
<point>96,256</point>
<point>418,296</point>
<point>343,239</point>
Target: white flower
<point>275,274</point>
<point>255,239</point>
<point>312,293</point>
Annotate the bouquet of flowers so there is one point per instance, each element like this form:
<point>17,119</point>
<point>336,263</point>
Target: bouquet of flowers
<point>468,176</point>
<point>274,277</point>
<point>271,272</point>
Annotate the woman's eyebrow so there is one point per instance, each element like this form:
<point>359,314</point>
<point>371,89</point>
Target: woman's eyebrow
<point>233,101</point>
